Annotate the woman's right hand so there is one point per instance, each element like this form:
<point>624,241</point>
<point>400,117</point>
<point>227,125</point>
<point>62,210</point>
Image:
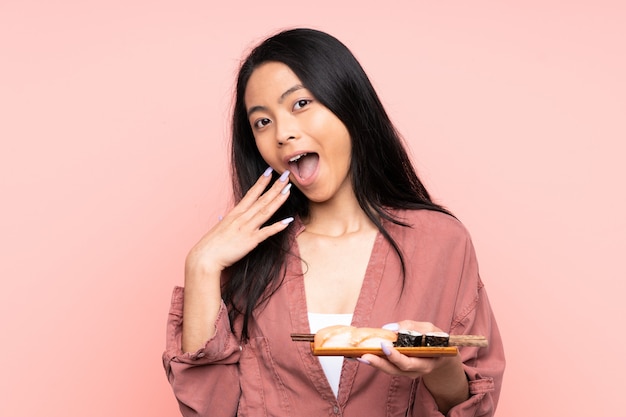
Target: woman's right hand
<point>241,230</point>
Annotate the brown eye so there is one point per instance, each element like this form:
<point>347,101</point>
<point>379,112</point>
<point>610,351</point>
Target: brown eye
<point>261,123</point>
<point>300,104</point>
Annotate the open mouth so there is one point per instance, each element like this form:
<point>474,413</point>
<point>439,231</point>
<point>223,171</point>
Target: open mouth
<point>304,165</point>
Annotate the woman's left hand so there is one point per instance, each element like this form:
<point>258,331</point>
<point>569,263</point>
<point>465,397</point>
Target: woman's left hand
<point>395,363</point>
<point>443,376</point>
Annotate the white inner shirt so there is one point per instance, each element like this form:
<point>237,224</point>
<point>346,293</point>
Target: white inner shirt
<point>330,364</point>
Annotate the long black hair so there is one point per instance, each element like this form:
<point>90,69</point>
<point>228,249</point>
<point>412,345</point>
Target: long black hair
<point>382,175</point>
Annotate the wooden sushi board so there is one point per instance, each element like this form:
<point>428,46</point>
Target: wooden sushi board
<point>355,352</point>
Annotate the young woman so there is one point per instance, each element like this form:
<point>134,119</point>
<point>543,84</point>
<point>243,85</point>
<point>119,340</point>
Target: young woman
<point>331,226</point>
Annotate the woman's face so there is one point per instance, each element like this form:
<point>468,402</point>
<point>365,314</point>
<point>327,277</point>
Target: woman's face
<point>295,132</point>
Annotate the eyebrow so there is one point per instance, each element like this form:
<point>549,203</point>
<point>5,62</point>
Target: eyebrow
<point>280,99</point>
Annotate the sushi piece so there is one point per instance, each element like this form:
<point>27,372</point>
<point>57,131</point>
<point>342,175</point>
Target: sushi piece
<point>334,336</point>
<point>372,337</point>
<point>436,339</point>
<point>349,336</point>
<point>408,338</point>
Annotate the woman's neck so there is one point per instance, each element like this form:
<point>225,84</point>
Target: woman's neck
<point>337,217</point>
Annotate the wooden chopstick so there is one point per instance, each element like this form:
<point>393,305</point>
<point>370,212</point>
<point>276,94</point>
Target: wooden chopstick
<point>455,339</point>
<point>468,340</point>
<point>302,337</point>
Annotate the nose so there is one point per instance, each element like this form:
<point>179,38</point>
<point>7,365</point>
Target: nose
<point>286,129</point>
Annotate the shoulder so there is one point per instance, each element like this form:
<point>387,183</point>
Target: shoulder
<point>429,231</point>
<point>430,222</point>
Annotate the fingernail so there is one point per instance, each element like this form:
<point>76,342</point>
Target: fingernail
<point>286,189</point>
<point>284,177</point>
<point>365,361</point>
<point>268,172</point>
<point>287,220</point>
<point>385,349</point>
<point>394,327</point>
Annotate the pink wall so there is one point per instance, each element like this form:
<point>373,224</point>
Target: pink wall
<point>113,119</point>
